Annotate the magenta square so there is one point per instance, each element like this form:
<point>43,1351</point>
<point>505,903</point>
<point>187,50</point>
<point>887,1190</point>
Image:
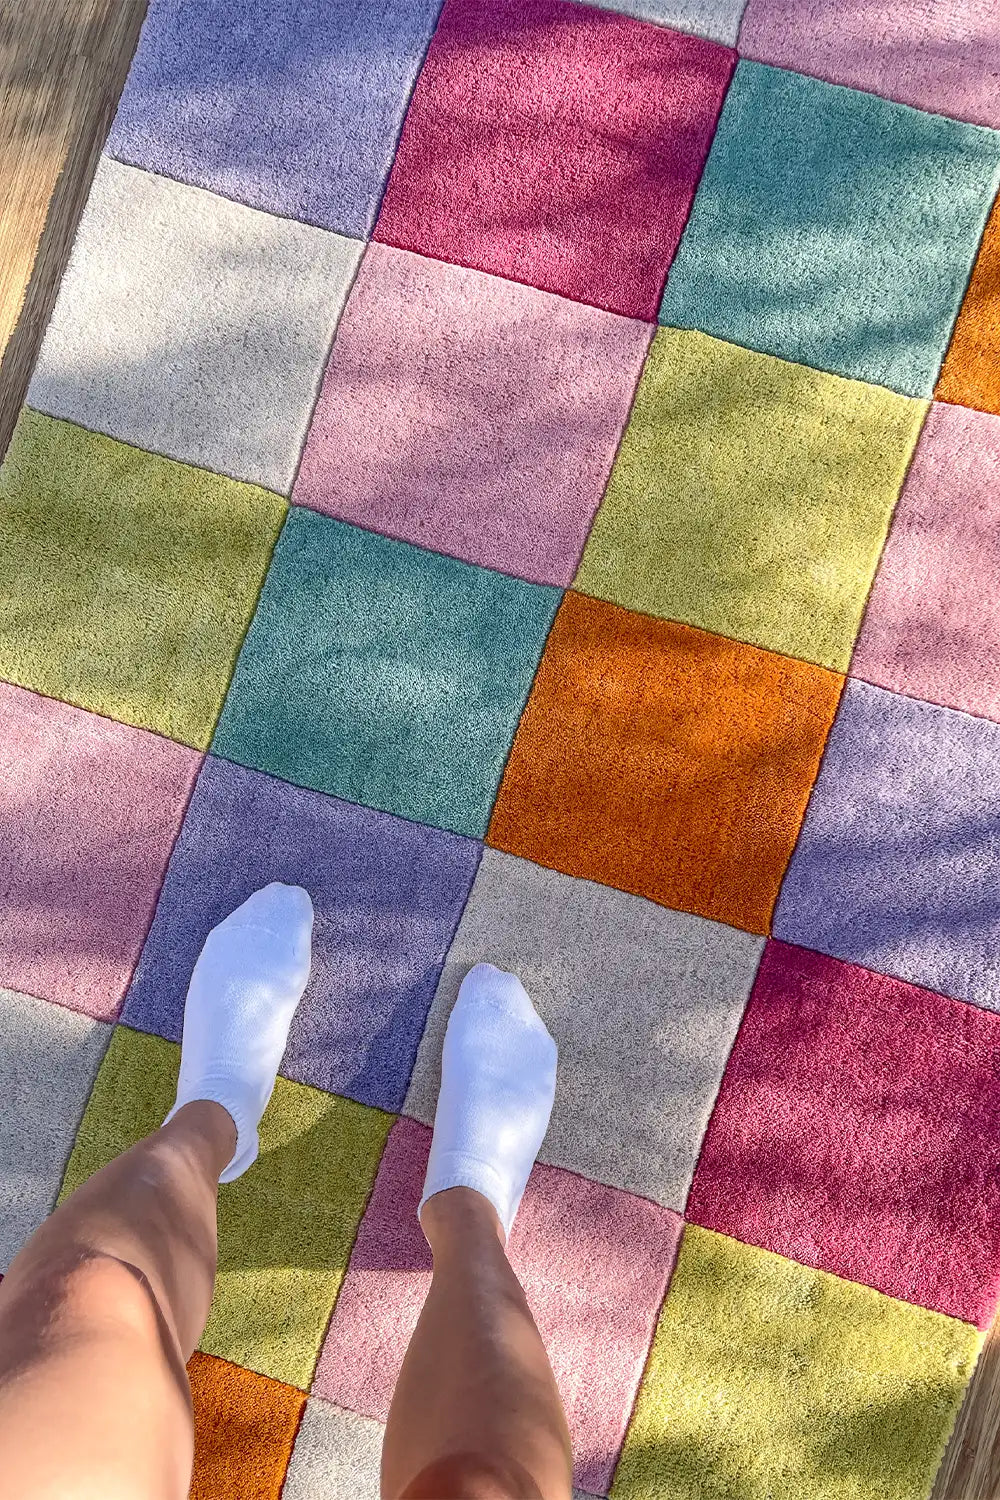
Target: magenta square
<point>932,626</point>
<point>556,144</point>
<point>89,811</point>
<point>594,1263</point>
<point>470,415</point>
<point>858,1130</point>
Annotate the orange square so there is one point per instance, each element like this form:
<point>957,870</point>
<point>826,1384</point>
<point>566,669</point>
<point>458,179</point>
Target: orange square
<point>970,375</point>
<point>244,1429</point>
<point>666,761</point>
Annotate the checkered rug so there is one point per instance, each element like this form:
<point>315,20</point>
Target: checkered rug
<point>530,474</point>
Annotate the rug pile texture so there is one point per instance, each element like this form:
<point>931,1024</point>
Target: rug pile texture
<point>529,472</point>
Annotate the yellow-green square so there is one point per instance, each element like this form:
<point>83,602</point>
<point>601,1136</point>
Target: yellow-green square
<point>751,497</point>
<point>286,1227</point>
<point>127,580</point>
<point>770,1381</point>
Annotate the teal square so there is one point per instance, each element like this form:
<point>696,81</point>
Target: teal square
<point>383,674</point>
<point>834,228</point>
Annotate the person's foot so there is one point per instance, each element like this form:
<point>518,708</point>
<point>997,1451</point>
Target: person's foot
<point>248,980</point>
<point>498,1078</point>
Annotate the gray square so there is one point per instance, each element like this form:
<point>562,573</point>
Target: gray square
<point>194,327</point>
<point>717,19</point>
<point>643,1002</point>
<point>49,1057</point>
<point>336,1455</point>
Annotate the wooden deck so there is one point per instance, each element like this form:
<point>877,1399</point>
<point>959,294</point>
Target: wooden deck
<point>971,1468</point>
<point>62,67</point>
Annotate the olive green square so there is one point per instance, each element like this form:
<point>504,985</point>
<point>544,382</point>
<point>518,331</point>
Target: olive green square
<point>751,497</point>
<point>286,1227</point>
<point>127,580</point>
<point>771,1381</point>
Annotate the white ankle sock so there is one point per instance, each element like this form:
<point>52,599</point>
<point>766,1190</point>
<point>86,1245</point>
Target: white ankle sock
<point>498,1078</point>
<point>245,987</point>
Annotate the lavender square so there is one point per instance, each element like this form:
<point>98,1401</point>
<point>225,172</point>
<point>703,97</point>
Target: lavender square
<point>387,894</point>
<point>295,109</point>
<point>898,863</point>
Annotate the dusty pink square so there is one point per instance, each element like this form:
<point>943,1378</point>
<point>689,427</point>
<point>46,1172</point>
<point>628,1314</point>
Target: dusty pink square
<point>593,1261</point>
<point>939,55</point>
<point>932,626</point>
<point>89,810</point>
<point>557,144</point>
<point>858,1130</point>
<point>471,415</point>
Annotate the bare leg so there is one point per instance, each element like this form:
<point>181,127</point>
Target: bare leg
<point>99,1314</point>
<point>103,1307</point>
<point>476,1414</point>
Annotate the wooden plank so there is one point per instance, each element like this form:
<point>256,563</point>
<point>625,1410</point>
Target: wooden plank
<point>971,1468</point>
<point>62,68</point>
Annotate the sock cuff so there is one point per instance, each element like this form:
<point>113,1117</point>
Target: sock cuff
<point>247,1142</point>
<point>456,1169</point>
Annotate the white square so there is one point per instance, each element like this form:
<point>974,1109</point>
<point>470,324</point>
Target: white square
<point>49,1057</point>
<point>194,327</point>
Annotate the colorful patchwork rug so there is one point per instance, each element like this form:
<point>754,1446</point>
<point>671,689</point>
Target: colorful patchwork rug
<point>530,473</point>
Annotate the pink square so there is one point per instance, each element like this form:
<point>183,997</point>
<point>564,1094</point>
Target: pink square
<point>938,55</point>
<point>932,626</point>
<point>89,810</point>
<point>593,1261</point>
<point>556,144</point>
<point>857,1130</point>
<point>471,415</point>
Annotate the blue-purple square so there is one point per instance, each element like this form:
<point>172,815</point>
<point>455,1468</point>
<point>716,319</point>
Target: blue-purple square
<point>293,108</point>
<point>387,896</point>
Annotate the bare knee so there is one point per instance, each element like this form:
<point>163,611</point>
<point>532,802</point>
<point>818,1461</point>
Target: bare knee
<point>72,1292</point>
<point>94,1401</point>
<point>473,1476</point>
<point>81,1281</point>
